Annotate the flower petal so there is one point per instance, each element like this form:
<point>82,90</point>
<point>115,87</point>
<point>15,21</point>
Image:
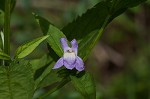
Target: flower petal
<point>74,45</point>
<point>59,63</point>
<point>79,65</point>
<point>68,66</point>
<point>64,44</point>
<point>70,58</point>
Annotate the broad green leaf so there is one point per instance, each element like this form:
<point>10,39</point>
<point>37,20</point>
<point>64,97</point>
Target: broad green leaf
<point>84,84</point>
<point>90,39</point>
<point>42,67</point>
<point>40,63</point>
<point>54,77</point>
<point>45,71</point>
<point>45,76</point>
<point>27,48</point>
<point>55,87</point>
<point>95,19</point>
<point>16,81</point>
<point>49,79</point>
<point>4,56</point>
<point>55,34</point>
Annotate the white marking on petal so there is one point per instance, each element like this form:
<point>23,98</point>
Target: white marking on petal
<point>70,56</point>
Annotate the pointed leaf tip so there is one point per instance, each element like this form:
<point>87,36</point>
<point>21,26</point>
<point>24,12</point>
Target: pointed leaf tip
<point>4,56</point>
<point>27,48</point>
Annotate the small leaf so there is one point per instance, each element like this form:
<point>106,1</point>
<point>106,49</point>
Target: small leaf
<point>16,81</point>
<point>4,56</point>
<point>55,34</point>
<point>27,48</point>
<point>84,84</point>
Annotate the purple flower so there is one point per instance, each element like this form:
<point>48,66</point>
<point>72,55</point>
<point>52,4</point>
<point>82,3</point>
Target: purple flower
<point>70,59</point>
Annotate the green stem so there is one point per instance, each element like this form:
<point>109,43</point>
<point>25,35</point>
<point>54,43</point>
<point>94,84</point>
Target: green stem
<point>7,27</point>
<point>62,83</point>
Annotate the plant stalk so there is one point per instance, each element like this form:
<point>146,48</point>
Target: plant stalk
<point>7,28</point>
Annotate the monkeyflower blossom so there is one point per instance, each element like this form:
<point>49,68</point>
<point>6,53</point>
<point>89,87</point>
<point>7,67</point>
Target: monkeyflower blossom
<point>70,59</point>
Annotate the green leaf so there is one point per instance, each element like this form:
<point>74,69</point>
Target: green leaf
<point>45,76</point>
<point>84,84</point>
<point>41,68</point>
<point>43,73</point>
<point>95,19</point>
<point>40,63</point>
<point>48,77</point>
<point>27,48</point>
<point>55,87</point>
<point>54,77</point>
<point>16,81</point>
<point>4,56</point>
<point>87,43</point>
<point>55,34</point>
